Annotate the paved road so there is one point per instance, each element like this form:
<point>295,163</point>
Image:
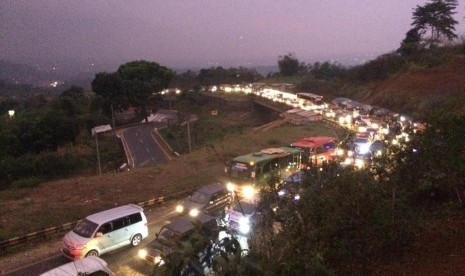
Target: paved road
<point>123,261</point>
<point>142,148</point>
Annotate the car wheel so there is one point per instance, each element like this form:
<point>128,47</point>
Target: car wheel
<point>136,240</point>
<point>92,253</point>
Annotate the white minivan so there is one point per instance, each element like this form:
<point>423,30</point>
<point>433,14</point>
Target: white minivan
<point>105,231</point>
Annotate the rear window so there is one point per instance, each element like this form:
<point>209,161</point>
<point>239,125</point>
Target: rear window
<point>135,218</point>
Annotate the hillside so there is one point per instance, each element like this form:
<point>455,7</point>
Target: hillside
<point>412,85</point>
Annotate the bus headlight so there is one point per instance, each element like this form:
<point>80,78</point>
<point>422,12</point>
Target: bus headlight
<point>248,192</point>
<point>179,208</point>
<point>194,212</point>
<point>230,187</point>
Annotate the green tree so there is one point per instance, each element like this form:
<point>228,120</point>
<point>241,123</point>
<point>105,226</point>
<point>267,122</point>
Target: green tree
<point>288,65</point>
<point>411,43</point>
<point>141,80</point>
<point>109,87</point>
<point>435,18</point>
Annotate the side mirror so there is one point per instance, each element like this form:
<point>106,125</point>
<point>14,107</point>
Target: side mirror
<point>98,234</point>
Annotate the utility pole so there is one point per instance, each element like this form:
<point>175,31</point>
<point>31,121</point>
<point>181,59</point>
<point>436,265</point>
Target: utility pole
<point>99,170</point>
<point>189,135</point>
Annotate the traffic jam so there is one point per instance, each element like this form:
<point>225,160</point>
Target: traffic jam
<point>230,210</point>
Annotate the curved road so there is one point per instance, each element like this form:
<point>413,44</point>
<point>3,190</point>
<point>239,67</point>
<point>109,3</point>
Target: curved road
<point>142,149</point>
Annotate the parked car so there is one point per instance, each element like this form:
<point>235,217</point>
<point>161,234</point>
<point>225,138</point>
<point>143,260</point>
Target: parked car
<point>173,234</point>
<point>88,266</point>
<point>105,231</point>
<point>211,199</point>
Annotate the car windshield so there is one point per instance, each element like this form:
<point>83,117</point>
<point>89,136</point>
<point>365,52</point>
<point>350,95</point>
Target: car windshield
<point>245,207</point>
<point>85,228</point>
<point>168,237</point>
<point>199,197</point>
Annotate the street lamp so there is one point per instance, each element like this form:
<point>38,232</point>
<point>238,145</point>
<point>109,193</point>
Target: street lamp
<point>11,113</point>
<point>95,131</point>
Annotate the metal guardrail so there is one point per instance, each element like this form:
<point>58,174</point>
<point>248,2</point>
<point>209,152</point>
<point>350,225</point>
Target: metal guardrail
<point>49,232</point>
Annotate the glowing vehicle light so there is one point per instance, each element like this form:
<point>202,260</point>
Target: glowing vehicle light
<point>339,152</point>
<point>193,212</point>
<point>142,253</point>
<point>230,187</point>
<point>296,197</point>
<point>348,119</point>
<point>281,193</point>
<point>395,142</point>
<point>179,208</point>
<point>248,192</point>
<point>348,161</point>
<point>350,153</point>
<point>364,149</point>
<point>362,129</point>
<point>385,131</point>
<point>341,120</point>
<point>359,163</point>
<point>244,225</point>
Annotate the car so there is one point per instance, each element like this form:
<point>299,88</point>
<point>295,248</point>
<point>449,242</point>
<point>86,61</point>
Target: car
<point>173,234</point>
<point>87,266</point>
<point>361,145</point>
<point>105,231</point>
<point>211,199</point>
<point>291,187</point>
<point>241,216</point>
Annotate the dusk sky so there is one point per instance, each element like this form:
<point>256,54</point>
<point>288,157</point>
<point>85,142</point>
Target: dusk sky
<point>184,33</point>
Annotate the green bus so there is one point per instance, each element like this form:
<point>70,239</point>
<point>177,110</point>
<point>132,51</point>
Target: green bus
<point>253,168</point>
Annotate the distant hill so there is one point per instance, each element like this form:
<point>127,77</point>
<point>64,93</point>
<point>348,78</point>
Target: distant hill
<point>431,80</point>
<point>23,74</point>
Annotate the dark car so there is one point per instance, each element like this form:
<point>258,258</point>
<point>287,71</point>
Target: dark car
<point>173,234</point>
<point>211,199</point>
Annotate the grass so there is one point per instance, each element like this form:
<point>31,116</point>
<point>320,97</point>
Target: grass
<point>54,203</point>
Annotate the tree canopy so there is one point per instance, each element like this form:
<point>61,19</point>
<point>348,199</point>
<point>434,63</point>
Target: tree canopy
<point>134,83</point>
<point>288,65</point>
<point>434,21</point>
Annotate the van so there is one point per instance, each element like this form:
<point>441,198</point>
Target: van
<point>105,231</point>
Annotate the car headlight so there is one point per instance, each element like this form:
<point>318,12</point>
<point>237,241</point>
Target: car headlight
<point>194,212</point>
<point>179,208</point>
<point>142,253</point>
<point>296,197</point>
<point>230,187</point>
<point>364,148</point>
<point>244,225</point>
